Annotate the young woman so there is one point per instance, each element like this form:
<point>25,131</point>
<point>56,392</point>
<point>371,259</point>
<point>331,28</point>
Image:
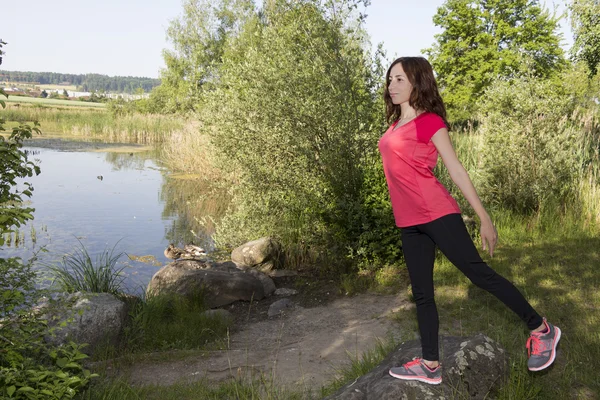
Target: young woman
<point>428,216</point>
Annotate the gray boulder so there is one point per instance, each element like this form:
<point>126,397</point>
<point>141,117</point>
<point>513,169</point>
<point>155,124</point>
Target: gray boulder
<point>473,367</point>
<point>221,283</point>
<point>279,307</point>
<point>264,254</point>
<point>92,318</point>
<point>268,284</point>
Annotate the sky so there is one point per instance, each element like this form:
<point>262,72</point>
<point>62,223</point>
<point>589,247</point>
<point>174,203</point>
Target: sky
<point>126,37</point>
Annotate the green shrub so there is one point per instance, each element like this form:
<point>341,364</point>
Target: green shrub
<point>530,156</point>
<point>294,114</point>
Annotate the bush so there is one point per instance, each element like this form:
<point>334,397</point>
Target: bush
<point>530,145</point>
<point>294,114</point>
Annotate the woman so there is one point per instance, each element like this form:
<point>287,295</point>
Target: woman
<point>428,216</point>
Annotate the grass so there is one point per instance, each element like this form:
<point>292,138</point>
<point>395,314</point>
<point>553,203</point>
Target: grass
<point>79,273</point>
<point>96,123</point>
<point>52,102</point>
<point>556,269</point>
<point>171,321</point>
<point>241,388</point>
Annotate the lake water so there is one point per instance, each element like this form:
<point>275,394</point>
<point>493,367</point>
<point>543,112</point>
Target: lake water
<point>92,193</point>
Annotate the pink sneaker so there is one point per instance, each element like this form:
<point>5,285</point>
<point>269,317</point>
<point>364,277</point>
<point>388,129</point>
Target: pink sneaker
<point>541,347</point>
<point>416,370</point>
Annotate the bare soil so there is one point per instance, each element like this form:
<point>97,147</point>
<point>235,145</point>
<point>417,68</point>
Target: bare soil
<point>302,349</point>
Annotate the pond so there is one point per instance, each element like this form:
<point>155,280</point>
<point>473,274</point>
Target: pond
<point>104,196</point>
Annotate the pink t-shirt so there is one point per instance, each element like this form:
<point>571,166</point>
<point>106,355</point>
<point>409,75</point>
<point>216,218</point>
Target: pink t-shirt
<point>409,157</point>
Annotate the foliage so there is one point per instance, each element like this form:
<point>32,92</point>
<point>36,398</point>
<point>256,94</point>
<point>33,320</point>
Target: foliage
<point>585,21</point>
<point>14,165</point>
<point>62,378</point>
<point>530,145</point>
<point>198,39</point>
<point>483,40</point>
<point>294,114</point>
<point>79,273</point>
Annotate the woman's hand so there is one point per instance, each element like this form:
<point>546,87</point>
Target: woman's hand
<point>489,235</point>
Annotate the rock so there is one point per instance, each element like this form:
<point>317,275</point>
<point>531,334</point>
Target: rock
<point>92,318</point>
<point>264,254</point>
<point>221,314</point>
<point>279,307</point>
<point>268,284</point>
<point>472,368</point>
<point>221,283</point>
<point>282,273</point>
<point>285,292</point>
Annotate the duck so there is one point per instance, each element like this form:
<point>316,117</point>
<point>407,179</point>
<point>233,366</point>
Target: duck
<point>189,251</point>
<point>194,250</point>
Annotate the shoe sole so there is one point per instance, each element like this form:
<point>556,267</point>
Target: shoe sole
<point>553,355</point>
<point>417,378</point>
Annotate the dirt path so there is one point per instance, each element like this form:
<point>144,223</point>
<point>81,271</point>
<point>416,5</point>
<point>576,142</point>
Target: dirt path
<point>303,348</point>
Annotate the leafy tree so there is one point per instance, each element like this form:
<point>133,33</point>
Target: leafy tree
<point>14,164</point>
<point>65,93</point>
<point>585,20</point>
<point>44,94</point>
<point>486,39</point>
<point>296,112</point>
<point>1,52</point>
<point>198,39</point>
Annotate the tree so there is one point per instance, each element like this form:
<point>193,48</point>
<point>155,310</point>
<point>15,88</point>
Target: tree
<point>296,112</point>
<point>486,39</point>
<point>65,93</point>
<point>44,94</point>
<point>198,39</point>
<point>1,52</point>
<point>585,21</point>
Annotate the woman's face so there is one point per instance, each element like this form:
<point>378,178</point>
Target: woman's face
<point>399,86</point>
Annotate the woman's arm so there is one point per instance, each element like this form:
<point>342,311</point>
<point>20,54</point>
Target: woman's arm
<point>460,177</point>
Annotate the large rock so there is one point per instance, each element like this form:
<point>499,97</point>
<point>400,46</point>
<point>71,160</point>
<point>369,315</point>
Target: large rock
<point>221,283</point>
<point>473,367</point>
<point>264,254</point>
<point>92,318</point>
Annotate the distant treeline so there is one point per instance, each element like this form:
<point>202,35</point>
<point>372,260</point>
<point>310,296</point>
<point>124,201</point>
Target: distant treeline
<point>85,82</point>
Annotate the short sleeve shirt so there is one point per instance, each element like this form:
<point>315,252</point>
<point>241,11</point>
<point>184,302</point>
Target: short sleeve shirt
<point>409,157</point>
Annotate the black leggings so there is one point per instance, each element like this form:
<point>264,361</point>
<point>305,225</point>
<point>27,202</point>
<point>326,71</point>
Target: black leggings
<point>451,236</point>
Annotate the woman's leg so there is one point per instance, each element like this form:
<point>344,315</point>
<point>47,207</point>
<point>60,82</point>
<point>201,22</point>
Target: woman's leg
<point>452,238</point>
<point>419,253</point>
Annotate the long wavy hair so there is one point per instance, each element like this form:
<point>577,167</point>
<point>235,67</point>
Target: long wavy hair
<point>424,97</point>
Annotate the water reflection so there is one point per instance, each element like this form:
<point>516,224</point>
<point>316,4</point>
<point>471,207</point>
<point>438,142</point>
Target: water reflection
<point>193,205</point>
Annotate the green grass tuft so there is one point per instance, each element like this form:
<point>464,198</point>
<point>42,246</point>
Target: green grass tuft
<point>79,273</point>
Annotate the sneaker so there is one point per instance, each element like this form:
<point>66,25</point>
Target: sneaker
<point>541,347</point>
<point>416,370</point>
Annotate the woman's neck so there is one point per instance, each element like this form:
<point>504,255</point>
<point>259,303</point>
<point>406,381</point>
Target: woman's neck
<point>406,111</point>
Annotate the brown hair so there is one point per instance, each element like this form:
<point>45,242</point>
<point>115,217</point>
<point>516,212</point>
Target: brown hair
<point>424,97</point>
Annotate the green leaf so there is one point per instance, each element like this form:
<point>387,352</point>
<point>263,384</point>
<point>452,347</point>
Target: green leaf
<point>61,362</point>
<point>10,390</point>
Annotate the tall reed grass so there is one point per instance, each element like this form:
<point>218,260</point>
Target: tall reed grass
<point>98,124</point>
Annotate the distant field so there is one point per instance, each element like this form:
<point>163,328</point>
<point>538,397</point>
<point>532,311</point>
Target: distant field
<point>52,102</point>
